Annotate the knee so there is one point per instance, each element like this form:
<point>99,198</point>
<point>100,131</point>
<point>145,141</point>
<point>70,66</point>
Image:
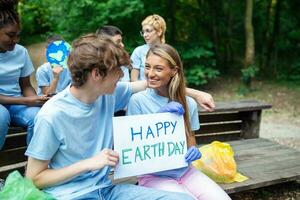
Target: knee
<point>4,116</point>
<point>32,114</point>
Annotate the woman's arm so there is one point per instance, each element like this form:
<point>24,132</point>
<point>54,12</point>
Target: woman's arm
<point>42,176</point>
<point>26,87</point>
<point>29,97</point>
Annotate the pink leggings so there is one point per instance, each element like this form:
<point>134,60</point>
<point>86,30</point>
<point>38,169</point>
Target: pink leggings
<point>192,182</point>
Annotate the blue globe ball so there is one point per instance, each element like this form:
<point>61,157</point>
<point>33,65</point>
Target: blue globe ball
<point>57,53</point>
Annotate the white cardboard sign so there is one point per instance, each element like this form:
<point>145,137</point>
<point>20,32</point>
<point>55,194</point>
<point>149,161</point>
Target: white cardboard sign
<point>149,143</point>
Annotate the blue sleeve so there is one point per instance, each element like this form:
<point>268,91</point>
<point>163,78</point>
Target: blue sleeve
<point>136,61</point>
<point>28,66</point>
<point>42,77</point>
<point>122,95</point>
<point>194,116</point>
<point>134,108</point>
<point>44,143</point>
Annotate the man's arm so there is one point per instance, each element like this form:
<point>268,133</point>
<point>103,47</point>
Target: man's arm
<point>205,100</point>
<point>134,75</point>
<point>138,86</point>
<point>42,176</point>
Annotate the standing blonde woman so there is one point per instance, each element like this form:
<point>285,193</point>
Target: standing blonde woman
<point>166,91</point>
<point>153,31</point>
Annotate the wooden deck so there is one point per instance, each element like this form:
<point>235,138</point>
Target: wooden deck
<point>264,162</point>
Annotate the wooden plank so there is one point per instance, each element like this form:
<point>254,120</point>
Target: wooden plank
<point>250,144</point>
<point>242,105</point>
<point>15,140</point>
<point>15,129</point>
<point>12,156</point>
<point>220,127</point>
<point>224,136</point>
<point>4,171</point>
<point>219,117</point>
<point>251,123</point>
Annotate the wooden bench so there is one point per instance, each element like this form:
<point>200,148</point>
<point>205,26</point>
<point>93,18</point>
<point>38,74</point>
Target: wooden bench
<point>12,154</point>
<point>263,161</point>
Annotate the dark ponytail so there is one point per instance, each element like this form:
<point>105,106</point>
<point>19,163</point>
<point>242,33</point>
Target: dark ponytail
<point>8,13</point>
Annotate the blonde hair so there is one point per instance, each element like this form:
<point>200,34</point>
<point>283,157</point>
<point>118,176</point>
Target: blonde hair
<point>176,87</point>
<point>158,24</point>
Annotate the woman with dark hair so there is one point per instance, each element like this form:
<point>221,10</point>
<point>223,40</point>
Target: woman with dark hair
<point>18,100</point>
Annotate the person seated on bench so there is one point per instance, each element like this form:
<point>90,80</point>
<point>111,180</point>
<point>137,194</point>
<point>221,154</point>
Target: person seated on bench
<point>165,79</point>
<point>19,103</point>
<point>70,154</point>
<point>52,79</point>
<point>115,34</point>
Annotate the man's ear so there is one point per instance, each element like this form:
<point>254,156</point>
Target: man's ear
<point>95,74</point>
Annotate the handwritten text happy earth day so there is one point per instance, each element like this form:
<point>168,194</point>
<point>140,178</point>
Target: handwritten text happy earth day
<point>149,143</point>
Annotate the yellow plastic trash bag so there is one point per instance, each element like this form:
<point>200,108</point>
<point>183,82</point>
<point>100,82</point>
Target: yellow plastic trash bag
<point>218,163</point>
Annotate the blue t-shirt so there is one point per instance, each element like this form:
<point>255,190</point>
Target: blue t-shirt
<point>67,130</point>
<point>44,77</point>
<point>13,65</point>
<point>147,102</point>
<point>126,77</point>
<point>138,59</point>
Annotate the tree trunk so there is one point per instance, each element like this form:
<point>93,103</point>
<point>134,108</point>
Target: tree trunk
<point>276,30</point>
<point>250,49</point>
<point>269,38</point>
<point>171,14</point>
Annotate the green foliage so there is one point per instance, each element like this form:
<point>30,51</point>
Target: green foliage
<point>199,65</point>
<point>248,74</point>
<point>34,18</point>
<point>199,75</point>
<point>190,23</point>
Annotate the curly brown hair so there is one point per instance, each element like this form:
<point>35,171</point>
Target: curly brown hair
<point>91,51</point>
<point>8,13</point>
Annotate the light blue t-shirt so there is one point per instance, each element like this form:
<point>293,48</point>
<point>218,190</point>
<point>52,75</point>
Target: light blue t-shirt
<point>147,102</point>
<point>138,59</point>
<point>126,77</point>
<point>44,77</point>
<point>67,130</point>
<point>13,65</point>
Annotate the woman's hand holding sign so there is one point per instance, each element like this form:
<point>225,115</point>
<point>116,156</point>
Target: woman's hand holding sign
<point>192,154</point>
<point>172,107</point>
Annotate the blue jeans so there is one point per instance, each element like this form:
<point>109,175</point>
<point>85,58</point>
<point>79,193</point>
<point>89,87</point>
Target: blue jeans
<point>133,192</point>
<point>17,115</point>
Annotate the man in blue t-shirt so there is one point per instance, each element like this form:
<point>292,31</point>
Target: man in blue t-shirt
<point>70,154</point>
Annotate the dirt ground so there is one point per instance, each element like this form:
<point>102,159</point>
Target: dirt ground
<point>281,123</point>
